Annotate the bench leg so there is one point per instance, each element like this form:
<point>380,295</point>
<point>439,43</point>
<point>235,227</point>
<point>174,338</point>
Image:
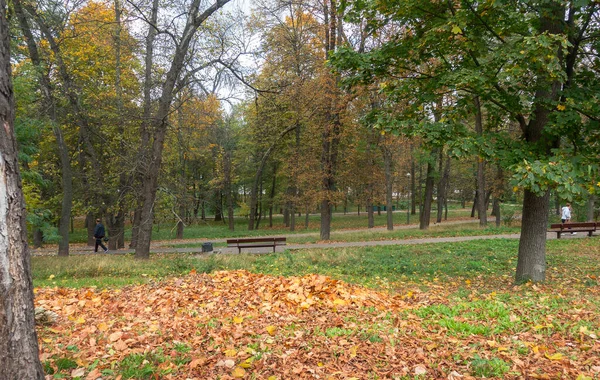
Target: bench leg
<point>239,250</point>
<point>558,235</point>
<point>590,233</point>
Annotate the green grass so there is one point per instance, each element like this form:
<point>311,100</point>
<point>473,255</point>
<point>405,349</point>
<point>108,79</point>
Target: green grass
<point>210,229</point>
<point>371,266</point>
<point>470,229</point>
<point>461,291</point>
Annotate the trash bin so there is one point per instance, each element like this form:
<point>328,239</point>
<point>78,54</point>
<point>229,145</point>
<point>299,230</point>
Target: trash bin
<point>207,247</point>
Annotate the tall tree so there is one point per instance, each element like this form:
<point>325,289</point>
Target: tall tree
<point>530,59</point>
<point>18,339</point>
<point>160,121</point>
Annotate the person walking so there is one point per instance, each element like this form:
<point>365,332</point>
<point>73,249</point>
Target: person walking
<point>99,233</point>
<point>566,215</point>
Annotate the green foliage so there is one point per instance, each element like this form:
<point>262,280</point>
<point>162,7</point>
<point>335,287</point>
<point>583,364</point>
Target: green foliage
<point>500,52</point>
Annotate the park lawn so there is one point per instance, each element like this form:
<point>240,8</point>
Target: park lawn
<point>210,229</point>
<point>421,311</point>
<point>440,230</point>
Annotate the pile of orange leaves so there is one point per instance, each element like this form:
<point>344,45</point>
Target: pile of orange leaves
<point>230,325</point>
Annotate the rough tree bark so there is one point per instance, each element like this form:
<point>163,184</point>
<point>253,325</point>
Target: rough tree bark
<point>19,358</point>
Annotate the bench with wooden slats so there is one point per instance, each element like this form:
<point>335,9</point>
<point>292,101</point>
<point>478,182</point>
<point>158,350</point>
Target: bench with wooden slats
<point>560,228</point>
<point>256,243</point>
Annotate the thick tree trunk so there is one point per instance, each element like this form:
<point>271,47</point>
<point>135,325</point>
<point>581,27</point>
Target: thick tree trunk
<point>532,244</point>
<point>19,354</point>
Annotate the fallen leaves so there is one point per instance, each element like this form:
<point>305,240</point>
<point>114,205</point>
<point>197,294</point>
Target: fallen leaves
<point>241,325</point>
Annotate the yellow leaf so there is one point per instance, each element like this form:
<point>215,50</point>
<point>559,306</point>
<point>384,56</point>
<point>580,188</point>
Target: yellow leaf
<point>50,277</point>
<point>557,356</point>
<point>353,351</point>
<point>468,282</point>
<point>247,363</point>
<point>238,372</point>
<point>320,364</point>
<point>456,29</point>
<point>80,321</point>
<point>102,326</point>
<point>272,378</point>
<point>230,353</point>
<point>338,301</point>
<point>583,377</point>
<point>238,320</point>
<point>46,340</point>
<point>271,330</point>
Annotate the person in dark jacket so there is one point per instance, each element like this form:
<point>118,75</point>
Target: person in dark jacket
<point>99,233</point>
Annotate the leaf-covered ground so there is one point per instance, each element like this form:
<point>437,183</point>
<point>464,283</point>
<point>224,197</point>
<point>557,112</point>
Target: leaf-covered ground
<point>236,324</point>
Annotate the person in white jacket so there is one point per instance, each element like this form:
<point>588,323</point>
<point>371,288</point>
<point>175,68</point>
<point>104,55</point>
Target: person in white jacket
<point>566,215</point>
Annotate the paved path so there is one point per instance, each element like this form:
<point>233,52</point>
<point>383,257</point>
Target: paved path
<point>159,247</point>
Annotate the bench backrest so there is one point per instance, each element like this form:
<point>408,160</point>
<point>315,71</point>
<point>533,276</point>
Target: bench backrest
<point>565,226</point>
<point>256,240</point>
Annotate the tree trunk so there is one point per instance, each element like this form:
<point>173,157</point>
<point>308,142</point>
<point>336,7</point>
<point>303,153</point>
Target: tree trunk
<point>272,195</point>
<point>496,211</point>
<point>228,189</point>
<point>218,205</point>
<point>425,216</point>
<point>90,224</point>
<point>590,208</point>
<point>19,358</point>
<point>38,238</point>
<point>370,213</point>
<point>413,186</point>
<point>306,218</point>
<point>531,264</point>
<point>481,203</point>
<point>442,186</point>
<point>180,225</point>
<point>389,181</point>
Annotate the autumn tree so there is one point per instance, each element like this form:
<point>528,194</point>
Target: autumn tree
<point>530,59</point>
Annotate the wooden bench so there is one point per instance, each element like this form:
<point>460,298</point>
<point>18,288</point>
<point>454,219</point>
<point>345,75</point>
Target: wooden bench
<point>256,242</point>
<point>560,228</point>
